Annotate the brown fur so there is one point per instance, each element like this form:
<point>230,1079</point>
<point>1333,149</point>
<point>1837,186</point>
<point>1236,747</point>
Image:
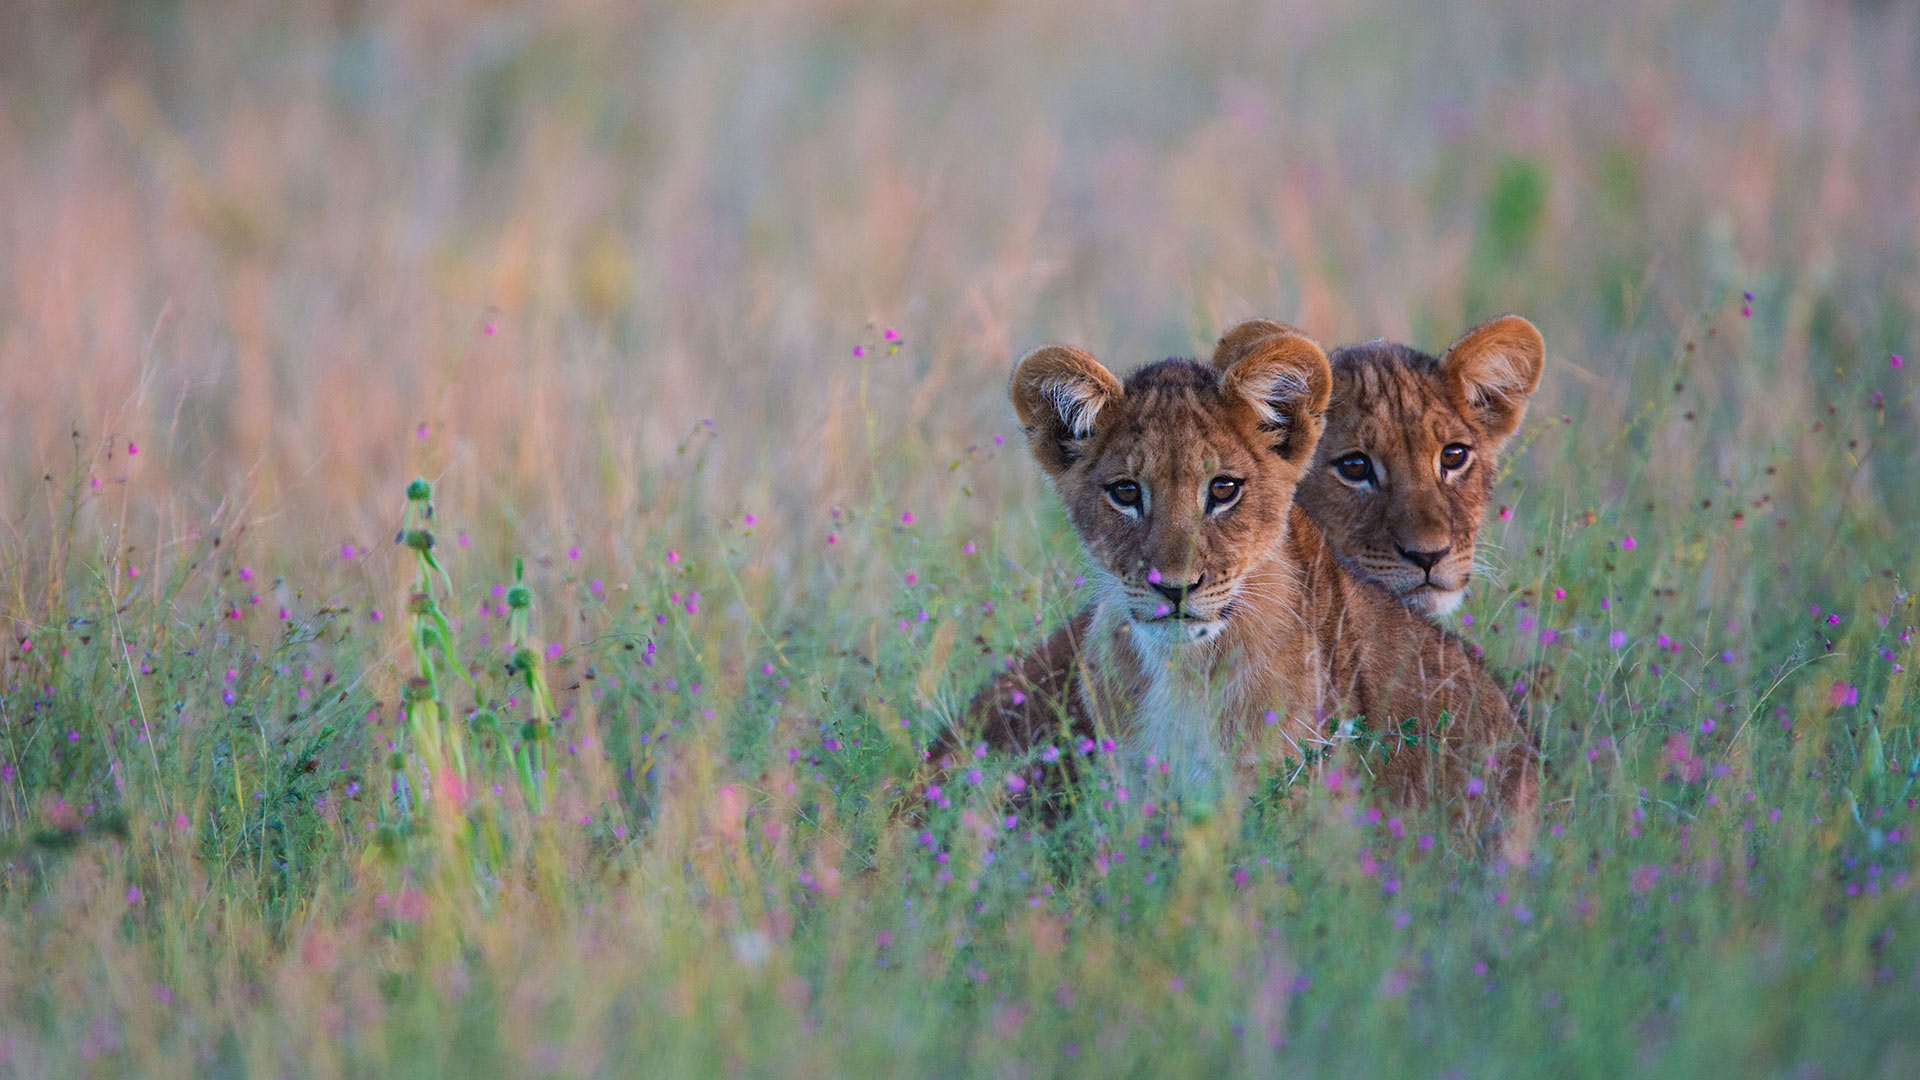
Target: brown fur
<point>1271,620</point>
<point>1401,407</point>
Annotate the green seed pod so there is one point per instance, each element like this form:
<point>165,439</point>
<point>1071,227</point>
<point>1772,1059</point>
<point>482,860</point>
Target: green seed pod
<point>519,598</point>
<point>419,689</point>
<point>419,490</point>
<point>418,539</point>
<point>484,722</point>
<point>387,839</point>
<point>524,660</point>
<point>420,604</point>
<point>531,732</point>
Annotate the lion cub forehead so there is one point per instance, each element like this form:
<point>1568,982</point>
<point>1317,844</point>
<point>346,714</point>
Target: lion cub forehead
<point>1390,393</point>
<point>1176,416</point>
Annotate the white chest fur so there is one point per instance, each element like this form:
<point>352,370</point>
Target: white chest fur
<point>1176,720</point>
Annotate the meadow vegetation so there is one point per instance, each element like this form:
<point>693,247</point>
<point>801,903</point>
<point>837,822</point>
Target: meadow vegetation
<point>588,753</point>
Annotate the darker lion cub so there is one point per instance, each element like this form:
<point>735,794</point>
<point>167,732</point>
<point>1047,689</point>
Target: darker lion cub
<point>1401,479</point>
<point>1223,634</point>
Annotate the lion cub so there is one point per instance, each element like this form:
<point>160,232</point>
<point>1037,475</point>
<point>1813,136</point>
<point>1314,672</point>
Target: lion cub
<point>1401,479</point>
<point>1223,634</point>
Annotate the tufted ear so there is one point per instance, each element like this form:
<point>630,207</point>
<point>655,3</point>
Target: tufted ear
<point>1285,380</point>
<point>1243,336</point>
<point>1492,370</point>
<point>1058,392</point>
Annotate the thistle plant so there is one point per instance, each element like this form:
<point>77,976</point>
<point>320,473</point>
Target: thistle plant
<point>524,667</point>
<point>430,639</point>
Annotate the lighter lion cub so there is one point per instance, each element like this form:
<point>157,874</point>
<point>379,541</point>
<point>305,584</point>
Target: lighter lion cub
<point>1223,634</point>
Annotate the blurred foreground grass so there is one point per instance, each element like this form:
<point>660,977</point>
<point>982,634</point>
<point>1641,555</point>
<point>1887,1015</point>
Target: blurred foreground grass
<point>705,313</point>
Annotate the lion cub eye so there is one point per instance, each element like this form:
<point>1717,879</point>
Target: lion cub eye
<point>1355,467</point>
<point>1453,457</point>
<point>1124,493</point>
<point>1223,490</point>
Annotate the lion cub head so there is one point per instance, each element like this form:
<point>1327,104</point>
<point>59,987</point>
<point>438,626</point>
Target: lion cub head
<point>1178,481</point>
<point>1403,472</point>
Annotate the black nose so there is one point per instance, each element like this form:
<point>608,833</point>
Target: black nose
<point>1175,594</point>
<point>1425,560</point>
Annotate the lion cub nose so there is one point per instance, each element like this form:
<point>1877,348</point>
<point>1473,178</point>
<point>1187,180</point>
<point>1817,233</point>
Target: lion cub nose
<point>1175,594</point>
<point>1425,560</point>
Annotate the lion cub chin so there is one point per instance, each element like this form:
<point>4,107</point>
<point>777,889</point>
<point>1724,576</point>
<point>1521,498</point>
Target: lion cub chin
<point>1223,634</point>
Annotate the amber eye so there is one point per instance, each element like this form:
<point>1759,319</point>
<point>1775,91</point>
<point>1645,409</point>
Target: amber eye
<point>1454,457</point>
<point>1355,467</point>
<point>1223,490</point>
<point>1124,493</point>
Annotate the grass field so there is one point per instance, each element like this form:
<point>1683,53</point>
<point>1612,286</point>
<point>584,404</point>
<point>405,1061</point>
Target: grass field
<point>703,313</point>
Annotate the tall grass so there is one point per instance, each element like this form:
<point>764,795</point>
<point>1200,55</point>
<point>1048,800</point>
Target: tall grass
<point>695,322</point>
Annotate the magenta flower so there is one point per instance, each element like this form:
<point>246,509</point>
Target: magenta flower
<point>1627,543</point>
<point>1643,877</point>
<point>1617,639</point>
<point>1842,693</point>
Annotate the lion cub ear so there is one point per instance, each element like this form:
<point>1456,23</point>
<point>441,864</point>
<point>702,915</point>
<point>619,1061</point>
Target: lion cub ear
<point>1285,380</point>
<point>1493,368</point>
<point>1058,392</point>
<point>1243,336</point>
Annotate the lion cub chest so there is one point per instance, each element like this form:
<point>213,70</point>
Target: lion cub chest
<point>1194,714</point>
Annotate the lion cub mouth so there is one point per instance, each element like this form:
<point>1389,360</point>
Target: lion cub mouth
<point>1179,628</point>
<point>1433,599</point>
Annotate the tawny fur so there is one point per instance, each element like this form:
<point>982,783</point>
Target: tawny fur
<point>1272,621</point>
<point>1401,407</point>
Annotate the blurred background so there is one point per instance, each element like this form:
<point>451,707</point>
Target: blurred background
<point>288,255</point>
